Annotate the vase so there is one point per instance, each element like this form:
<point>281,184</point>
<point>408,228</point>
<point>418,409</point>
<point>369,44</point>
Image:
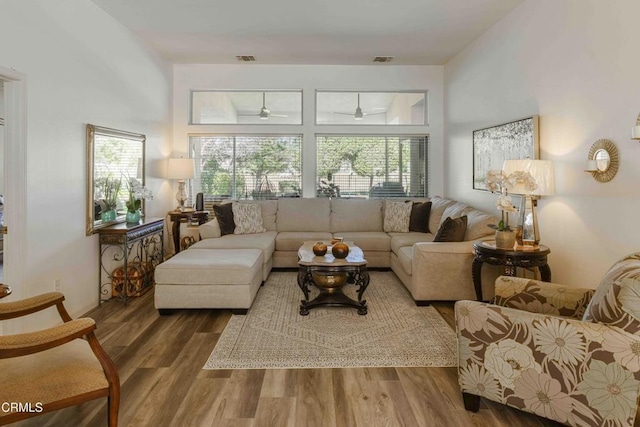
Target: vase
<point>505,239</point>
<point>133,217</point>
<point>108,215</point>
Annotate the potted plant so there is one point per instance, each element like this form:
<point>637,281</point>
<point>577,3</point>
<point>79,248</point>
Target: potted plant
<point>109,203</point>
<point>136,193</point>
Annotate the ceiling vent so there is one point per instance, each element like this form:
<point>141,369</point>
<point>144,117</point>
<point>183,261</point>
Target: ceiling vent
<point>382,58</point>
<point>245,58</point>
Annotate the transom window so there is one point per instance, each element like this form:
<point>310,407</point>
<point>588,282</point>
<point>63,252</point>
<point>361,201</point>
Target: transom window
<point>371,108</point>
<point>371,166</point>
<point>267,107</point>
<point>246,166</point>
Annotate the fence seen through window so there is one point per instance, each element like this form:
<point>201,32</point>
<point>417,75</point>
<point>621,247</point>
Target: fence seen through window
<point>246,166</point>
<point>371,166</point>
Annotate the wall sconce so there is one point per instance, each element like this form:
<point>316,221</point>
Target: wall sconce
<point>635,131</point>
<point>603,160</point>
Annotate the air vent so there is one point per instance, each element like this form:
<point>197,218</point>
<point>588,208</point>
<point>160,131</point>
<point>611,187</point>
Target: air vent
<point>382,59</point>
<point>245,58</point>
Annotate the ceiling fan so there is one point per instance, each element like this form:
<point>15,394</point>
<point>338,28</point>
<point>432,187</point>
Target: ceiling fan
<point>358,115</point>
<point>264,113</point>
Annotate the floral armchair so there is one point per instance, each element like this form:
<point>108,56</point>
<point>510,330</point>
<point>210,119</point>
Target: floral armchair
<point>568,354</point>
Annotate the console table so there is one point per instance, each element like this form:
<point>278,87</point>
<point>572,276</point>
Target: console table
<point>139,248</point>
<point>178,217</point>
<point>486,251</point>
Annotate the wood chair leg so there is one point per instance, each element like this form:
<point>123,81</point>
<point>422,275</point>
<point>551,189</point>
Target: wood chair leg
<point>471,402</point>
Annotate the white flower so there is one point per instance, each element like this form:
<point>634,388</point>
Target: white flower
<point>560,340</point>
<point>610,389</point>
<point>507,359</point>
<point>543,395</point>
<point>625,349</point>
<point>471,316</point>
<point>476,380</point>
<point>504,204</point>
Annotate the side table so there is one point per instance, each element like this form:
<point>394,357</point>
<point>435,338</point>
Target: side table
<point>486,251</point>
<point>178,217</point>
<point>139,247</point>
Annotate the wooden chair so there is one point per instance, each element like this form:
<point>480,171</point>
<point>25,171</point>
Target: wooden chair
<point>54,368</point>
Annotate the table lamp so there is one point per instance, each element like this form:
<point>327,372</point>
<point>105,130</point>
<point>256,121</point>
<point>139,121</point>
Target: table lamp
<point>544,177</point>
<point>181,169</point>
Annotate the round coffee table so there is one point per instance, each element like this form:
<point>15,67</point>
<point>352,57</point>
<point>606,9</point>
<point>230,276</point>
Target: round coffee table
<point>330,275</point>
<point>486,251</point>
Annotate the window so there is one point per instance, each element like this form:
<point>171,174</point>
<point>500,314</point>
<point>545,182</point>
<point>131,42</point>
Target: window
<point>246,107</point>
<point>371,108</point>
<point>371,166</point>
<point>246,166</point>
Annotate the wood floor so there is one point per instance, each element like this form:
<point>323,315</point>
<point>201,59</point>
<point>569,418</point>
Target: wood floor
<point>160,359</point>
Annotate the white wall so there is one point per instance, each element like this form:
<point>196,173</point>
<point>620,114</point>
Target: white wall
<point>81,67</point>
<point>309,78</point>
<point>576,64</point>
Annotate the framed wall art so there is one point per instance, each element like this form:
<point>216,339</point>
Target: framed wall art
<point>508,141</point>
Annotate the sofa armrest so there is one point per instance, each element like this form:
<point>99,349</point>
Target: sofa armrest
<point>574,372</point>
<point>465,248</point>
<point>542,297</point>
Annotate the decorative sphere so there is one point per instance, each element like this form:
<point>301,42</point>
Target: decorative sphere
<point>319,249</point>
<point>340,250</point>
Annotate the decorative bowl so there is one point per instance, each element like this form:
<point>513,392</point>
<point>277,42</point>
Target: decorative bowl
<point>329,280</point>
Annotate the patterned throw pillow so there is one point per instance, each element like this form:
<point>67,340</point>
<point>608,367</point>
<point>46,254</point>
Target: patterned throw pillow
<point>452,230</point>
<point>617,298</point>
<point>248,218</point>
<point>396,216</point>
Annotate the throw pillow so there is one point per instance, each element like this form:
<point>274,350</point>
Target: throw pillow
<point>396,216</point>
<point>617,298</point>
<point>452,230</point>
<point>419,218</point>
<point>248,218</point>
<point>224,214</point>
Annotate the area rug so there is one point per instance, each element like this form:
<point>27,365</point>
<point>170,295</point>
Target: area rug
<point>395,332</point>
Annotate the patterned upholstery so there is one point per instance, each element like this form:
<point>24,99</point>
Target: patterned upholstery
<point>531,350</point>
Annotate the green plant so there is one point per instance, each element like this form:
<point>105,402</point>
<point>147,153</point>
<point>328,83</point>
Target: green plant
<point>111,190</point>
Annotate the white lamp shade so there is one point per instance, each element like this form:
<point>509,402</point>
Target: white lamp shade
<point>181,169</point>
<point>541,170</point>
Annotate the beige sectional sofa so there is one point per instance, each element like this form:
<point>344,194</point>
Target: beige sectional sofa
<point>431,271</point>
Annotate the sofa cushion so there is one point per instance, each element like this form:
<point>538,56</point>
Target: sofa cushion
<point>304,214</point>
<point>396,216</point>
<point>438,205</point>
<point>368,240</point>
<point>405,258</point>
<point>263,241</point>
<point>617,298</point>
<point>455,210</point>
<point>224,214</point>
<point>452,230</point>
<point>209,230</point>
<point>419,218</point>
<point>356,215</point>
<point>210,267</point>
<point>292,240</point>
<point>400,240</point>
<point>248,218</point>
<point>478,224</point>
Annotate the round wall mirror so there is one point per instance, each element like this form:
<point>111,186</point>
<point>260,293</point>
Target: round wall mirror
<point>605,154</point>
<point>602,159</point>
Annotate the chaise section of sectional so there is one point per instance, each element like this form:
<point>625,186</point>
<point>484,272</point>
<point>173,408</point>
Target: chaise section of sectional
<point>209,278</point>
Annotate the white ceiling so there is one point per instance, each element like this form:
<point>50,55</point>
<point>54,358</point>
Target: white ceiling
<point>344,32</point>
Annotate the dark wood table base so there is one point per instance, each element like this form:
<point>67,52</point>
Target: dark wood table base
<point>333,297</point>
<point>510,259</point>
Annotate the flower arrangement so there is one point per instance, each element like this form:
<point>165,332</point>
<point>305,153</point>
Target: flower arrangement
<point>497,181</point>
<point>136,193</point>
